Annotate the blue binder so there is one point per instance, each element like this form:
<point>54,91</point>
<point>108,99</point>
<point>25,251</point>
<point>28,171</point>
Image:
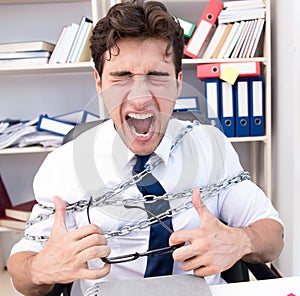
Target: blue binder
<point>257,106</point>
<point>242,125</point>
<point>212,93</point>
<point>227,108</point>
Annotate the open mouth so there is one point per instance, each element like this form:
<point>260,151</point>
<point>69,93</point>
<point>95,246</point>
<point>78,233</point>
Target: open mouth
<point>140,124</point>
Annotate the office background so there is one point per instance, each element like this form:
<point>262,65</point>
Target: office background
<point>285,103</point>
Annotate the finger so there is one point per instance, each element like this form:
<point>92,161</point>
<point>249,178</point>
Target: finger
<point>203,212</point>
<point>85,231</point>
<point>94,274</point>
<point>60,214</point>
<point>204,271</point>
<point>90,241</point>
<point>95,252</point>
<point>183,253</point>
<point>183,236</point>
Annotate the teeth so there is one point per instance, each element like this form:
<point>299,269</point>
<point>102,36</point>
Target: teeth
<point>140,116</point>
<point>140,135</point>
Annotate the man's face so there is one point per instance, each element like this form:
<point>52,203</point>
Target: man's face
<point>139,88</point>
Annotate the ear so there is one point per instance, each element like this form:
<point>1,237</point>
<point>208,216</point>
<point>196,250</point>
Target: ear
<point>179,83</point>
<point>98,81</point>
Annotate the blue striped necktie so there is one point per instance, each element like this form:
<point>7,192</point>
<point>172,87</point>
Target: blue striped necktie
<point>159,236</point>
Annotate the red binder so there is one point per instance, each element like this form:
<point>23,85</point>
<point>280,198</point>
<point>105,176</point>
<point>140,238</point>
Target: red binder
<point>203,28</point>
<point>214,70</point>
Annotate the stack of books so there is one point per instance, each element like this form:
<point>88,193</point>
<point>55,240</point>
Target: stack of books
<point>237,35</point>
<point>73,44</point>
<point>13,217</point>
<point>229,29</point>
<point>25,53</point>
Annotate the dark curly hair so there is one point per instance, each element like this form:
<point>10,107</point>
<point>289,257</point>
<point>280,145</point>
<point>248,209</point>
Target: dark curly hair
<point>136,19</point>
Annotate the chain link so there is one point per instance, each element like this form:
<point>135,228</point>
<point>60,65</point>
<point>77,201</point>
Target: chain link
<point>106,199</point>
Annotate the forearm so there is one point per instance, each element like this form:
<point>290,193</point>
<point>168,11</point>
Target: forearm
<point>23,277</point>
<point>266,241</point>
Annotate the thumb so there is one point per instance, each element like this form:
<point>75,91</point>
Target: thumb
<point>203,212</point>
<point>60,214</point>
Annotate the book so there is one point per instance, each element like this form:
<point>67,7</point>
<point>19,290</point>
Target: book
<point>243,4</point>
<point>12,223</point>
<point>66,43</point>
<point>257,37</point>
<point>241,13</point>
<point>23,62</point>
<point>222,40</point>
<point>229,39</point>
<point>24,54</point>
<point>240,40</point>
<point>214,41</point>
<point>80,38</point>
<point>234,40</point>
<point>5,201</point>
<point>55,54</point>
<point>20,211</point>
<point>248,38</point>
<point>27,46</point>
<point>84,52</point>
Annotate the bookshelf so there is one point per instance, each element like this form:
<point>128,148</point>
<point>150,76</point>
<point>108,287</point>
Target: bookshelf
<point>31,90</point>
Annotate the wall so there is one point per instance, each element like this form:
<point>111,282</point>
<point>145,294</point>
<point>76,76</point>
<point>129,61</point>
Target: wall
<point>286,128</point>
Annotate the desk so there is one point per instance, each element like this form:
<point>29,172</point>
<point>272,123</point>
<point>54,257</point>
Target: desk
<point>277,287</point>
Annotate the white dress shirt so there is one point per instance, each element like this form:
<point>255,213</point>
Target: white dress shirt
<point>98,161</point>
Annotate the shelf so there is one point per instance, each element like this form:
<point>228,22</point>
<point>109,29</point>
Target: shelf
<point>83,67</point>
<point>86,67</point>
<point>248,139</point>
<point>26,150</point>
<point>188,61</point>
<point>47,150</point>
<point>38,1</point>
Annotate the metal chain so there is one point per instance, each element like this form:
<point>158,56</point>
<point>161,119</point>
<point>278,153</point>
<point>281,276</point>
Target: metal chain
<point>205,192</point>
<point>106,199</point>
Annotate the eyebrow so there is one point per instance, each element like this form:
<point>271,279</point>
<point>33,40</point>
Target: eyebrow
<point>128,73</point>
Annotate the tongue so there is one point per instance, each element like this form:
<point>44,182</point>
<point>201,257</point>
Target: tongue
<point>141,126</point>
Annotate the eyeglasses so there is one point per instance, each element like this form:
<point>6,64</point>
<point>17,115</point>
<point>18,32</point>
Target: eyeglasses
<point>136,255</point>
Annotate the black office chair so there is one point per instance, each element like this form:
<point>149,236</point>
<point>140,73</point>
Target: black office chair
<point>239,272</point>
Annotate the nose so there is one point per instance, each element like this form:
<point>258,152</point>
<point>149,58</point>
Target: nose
<point>139,93</point>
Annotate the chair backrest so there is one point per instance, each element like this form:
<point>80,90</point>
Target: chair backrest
<point>79,129</point>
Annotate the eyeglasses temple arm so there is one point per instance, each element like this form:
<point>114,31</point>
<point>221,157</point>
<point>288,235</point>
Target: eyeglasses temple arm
<point>152,215</point>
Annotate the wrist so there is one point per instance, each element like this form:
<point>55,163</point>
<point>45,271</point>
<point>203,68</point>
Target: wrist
<point>245,242</point>
<point>37,273</point>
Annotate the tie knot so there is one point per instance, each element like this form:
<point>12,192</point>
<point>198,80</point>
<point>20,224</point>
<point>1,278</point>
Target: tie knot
<point>141,160</point>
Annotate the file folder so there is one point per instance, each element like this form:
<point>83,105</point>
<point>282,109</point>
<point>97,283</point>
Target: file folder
<point>214,70</point>
<point>242,126</point>
<point>211,90</point>
<point>203,28</point>
<point>227,109</point>
<point>53,125</point>
<point>257,106</point>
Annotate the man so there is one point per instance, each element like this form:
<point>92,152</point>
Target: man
<point>137,50</point>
